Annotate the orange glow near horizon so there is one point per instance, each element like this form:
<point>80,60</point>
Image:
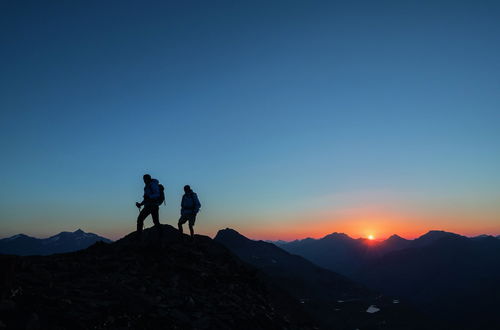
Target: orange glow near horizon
<point>381,219</point>
<point>358,222</point>
<point>371,237</point>
<point>363,223</point>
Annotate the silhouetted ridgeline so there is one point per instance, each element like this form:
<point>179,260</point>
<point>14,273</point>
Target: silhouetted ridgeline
<point>456,278</point>
<point>167,284</point>
<point>333,300</point>
<point>452,277</point>
<point>233,282</point>
<point>24,245</point>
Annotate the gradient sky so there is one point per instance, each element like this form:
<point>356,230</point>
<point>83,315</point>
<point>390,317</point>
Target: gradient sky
<point>289,118</point>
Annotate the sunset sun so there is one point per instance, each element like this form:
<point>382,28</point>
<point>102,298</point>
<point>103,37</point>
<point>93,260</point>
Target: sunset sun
<point>371,237</point>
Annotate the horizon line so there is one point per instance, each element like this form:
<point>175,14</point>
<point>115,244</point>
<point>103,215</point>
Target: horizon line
<point>375,239</point>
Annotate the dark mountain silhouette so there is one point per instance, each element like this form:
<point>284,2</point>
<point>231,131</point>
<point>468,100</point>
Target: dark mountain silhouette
<point>482,236</point>
<point>63,242</point>
<point>393,243</point>
<point>332,299</point>
<point>345,255</point>
<point>277,262</point>
<point>337,252</point>
<point>446,275</point>
<point>167,283</point>
<point>431,237</point>
<point>454,277</point>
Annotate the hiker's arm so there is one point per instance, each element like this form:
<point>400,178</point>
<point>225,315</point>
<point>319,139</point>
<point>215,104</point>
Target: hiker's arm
<point>196,202</point>
<point>141,203</point>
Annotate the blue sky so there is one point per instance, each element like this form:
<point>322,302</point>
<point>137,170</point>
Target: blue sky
<point>280,114</point>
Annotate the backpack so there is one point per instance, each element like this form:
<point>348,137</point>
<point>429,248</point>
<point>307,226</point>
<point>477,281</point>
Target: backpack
<point>161,200</point>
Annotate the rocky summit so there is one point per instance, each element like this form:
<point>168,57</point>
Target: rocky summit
<point>165,281</point>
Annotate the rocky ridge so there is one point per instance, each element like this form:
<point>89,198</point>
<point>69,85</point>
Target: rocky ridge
<point>169,282</point>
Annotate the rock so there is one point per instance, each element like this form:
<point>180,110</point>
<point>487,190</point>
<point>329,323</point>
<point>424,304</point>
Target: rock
<point>33,322</point>
<point>7,305</point>
<point>125,285</point>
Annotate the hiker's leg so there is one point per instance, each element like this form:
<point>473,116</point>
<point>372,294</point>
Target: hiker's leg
<point>182,220</point>
<point>192,220</point>
<point>155,214</point>
<point>140,219</point>
<point>179,224</point>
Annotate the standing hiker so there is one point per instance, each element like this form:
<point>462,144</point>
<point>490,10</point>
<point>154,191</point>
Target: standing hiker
<point>190,206</point>
<point>153,197</point>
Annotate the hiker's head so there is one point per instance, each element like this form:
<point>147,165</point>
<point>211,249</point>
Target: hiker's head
<point>187,188</point>
<point>146,178</point>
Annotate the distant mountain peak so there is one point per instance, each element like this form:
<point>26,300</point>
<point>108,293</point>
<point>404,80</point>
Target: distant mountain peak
<point>437,234</point>
<point>279,242</point>
<point>434,235</point>
<point>230,234</point>
<point>65,241</point>
<point>483,236</point>
<point>434,231</point>
<point>17,236</point>
<point>337,235</point>
<point>396,238</point>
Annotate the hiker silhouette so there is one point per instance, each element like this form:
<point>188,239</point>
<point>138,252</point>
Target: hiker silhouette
<point>152,199</point>
<point>190,205</point>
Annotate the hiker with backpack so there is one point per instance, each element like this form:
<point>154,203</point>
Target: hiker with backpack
<point>190,206</point>
<point>154,196</point>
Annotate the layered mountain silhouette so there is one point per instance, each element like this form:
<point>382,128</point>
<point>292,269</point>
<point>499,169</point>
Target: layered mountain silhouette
<point>455,277</point>
<point>393,243</point>
<point>172,282</point>
<point>167,282</point>
<point>333,300</point>
<point>346,255</point>
<point>337,252</point>
<point>452,277</point>
<point>63,242</point>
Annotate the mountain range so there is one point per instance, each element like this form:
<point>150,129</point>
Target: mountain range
<point>333,300</point>
<point>63,242</point>
<point>346,255</point>
<point>440,280</point>
<point>449,276</point>
<point>167,280</point>
<point>455,277</point>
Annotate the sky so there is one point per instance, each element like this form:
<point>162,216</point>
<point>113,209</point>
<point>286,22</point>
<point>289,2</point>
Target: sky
<point>290,119</point>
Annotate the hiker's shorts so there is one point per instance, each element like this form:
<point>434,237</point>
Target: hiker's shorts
<point>187,217</point>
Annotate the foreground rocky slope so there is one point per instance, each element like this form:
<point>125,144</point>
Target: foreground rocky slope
<point>168,283</point>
